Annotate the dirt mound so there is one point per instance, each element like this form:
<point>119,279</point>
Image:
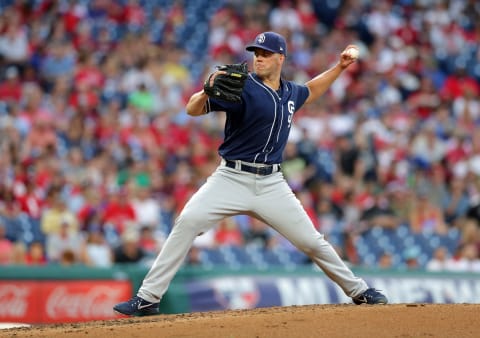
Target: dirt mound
<point>398,320</point>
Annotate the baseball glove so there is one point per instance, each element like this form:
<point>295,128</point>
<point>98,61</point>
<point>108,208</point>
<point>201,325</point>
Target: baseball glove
<point>227,86</point>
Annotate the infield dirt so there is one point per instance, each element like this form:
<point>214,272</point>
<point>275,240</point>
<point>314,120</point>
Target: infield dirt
<point>396,320</point>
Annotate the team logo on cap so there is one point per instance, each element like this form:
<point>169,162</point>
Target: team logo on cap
<point>261,38</point>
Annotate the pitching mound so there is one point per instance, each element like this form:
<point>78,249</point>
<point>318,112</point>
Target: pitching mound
<point>399,320</point>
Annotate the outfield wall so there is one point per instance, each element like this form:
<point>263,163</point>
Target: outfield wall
<point>56,294</point>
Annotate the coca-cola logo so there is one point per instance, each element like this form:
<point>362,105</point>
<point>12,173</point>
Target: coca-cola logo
<point>13,300</point>
<point>96,302</point>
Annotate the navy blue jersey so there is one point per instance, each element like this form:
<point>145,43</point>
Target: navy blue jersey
<point>256,130</point>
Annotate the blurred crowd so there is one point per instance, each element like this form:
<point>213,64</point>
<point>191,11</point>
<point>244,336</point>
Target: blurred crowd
<point>98,155</point>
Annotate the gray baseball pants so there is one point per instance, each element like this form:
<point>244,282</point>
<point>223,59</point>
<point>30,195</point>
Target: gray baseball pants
<point>229,192</point>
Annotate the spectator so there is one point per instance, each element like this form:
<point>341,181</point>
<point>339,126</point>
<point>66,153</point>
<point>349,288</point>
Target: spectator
<point>59,61</point>
<point>129,250</point>
<point>42,136</point>
<point>348,156</point>
<point>134,14</point>
<point>119,212</point>
<point>31,200</point>
<point>9,207</point>
<point>329,216</point>
<point>83,98</point>
<point>66,240</point>
<point>150,241</point>
<point>36,254</point>
<point>14,40</point>
<point>87,72</point>
<point>467,259</point>
<point>194,257</point>
<point>228,233</point>
<point>285,16</point>
<point>458,83</point>
<point>470,233</point>
<point>19,253</point>
<point>137,76</point>
<point>401,201</point>
<point>382,21</point>
<point>426,216</point>
<point>258,234</point>
<point>146,207</point>
<point>11,88</point>
<point>294,167</point>
<point>436,184</point>
<point>385,261</point>
<point>467,105</point>
<point>142,99</point>
<point>32,107</point>
<point>96,252</point>
<point>455,201</point>
<point>380,213</point>
<point>55,218</point>
<point>410,257</point>
<point>440,261</point>
<point>90,213</point>
<point>427,149</point>
<point>425,100</point>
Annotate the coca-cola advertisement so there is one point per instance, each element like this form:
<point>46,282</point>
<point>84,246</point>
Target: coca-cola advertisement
<point>60,301</point>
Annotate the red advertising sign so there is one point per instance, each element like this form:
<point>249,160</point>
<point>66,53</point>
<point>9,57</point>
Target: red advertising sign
<point>60,301</point>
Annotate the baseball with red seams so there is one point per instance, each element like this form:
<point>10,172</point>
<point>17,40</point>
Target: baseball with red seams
<point>353,52</point>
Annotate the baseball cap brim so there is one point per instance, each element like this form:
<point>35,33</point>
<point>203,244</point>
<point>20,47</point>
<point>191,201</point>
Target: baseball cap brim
<point>251,48</point>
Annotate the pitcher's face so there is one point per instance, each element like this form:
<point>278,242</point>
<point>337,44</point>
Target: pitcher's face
<point>267,64</point>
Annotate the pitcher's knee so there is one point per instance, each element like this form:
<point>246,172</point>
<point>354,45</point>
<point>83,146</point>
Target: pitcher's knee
<point>313,246</point>
<point>190,220</point>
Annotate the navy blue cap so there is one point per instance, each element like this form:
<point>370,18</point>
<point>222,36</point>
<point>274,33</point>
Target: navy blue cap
<point>270,41</point>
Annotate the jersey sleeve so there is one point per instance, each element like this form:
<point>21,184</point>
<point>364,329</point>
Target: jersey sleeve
<point>219,105</point>
<point>301,93</point>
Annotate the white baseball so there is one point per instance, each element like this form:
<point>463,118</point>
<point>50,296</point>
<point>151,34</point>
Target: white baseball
<point>353,52</point>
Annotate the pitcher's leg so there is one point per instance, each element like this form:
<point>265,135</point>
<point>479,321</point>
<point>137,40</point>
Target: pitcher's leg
<point>280,208</point>
<point>187,226</point>
<point>218,198</point>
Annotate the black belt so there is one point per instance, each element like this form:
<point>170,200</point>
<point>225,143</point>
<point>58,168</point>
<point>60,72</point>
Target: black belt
<point>265,170</point>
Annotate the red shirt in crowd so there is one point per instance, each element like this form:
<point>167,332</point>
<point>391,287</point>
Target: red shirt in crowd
<point>119,213</point>
<point>10,90</point>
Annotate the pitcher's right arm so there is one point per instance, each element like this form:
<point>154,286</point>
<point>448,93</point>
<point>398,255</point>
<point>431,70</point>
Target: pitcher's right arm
<point>196,104</point>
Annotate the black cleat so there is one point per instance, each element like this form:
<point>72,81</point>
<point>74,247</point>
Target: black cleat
<point>137,307</point>
<point>370,296</point>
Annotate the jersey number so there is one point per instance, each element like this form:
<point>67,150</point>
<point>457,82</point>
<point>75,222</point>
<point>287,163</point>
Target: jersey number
<point>291,110</point>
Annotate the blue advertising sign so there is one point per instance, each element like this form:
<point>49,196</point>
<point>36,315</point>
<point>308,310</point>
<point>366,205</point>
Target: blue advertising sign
<point>247,292</point>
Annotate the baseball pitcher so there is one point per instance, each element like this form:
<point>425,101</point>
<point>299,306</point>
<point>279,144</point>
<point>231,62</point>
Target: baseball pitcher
<point>259,107</point>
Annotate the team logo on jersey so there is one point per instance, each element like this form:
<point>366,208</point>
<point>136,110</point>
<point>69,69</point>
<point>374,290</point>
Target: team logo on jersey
<point>261,38</point>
